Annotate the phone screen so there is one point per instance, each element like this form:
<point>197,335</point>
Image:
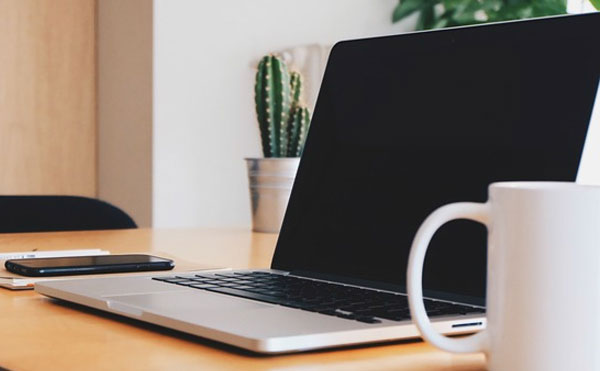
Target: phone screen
<point>88,264</point>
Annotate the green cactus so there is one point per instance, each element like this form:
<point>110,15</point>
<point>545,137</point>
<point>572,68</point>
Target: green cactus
<point>295,88</point>
<point>299,124</point>
<point>272,97</point>
<point>282,118</point>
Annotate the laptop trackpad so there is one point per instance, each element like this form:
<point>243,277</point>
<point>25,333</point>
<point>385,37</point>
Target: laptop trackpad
<point>181,304</point>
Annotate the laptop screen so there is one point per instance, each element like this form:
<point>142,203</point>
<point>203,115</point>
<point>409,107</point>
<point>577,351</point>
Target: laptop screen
<point>405,124</point>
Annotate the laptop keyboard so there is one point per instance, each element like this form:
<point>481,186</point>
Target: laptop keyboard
<point>353,303</point>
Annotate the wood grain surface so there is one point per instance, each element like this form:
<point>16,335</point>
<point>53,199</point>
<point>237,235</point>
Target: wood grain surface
<point>47,97</point>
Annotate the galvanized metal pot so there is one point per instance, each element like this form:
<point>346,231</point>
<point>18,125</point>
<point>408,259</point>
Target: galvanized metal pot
<point>270,181</point>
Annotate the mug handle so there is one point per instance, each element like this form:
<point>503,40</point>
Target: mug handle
<point>460,210</point>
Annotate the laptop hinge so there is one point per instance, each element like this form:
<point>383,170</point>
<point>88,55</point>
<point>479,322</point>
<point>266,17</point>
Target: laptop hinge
<point>349,281</point>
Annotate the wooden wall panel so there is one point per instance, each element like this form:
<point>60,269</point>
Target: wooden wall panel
<point>124,96</point>
<point>47,97</point>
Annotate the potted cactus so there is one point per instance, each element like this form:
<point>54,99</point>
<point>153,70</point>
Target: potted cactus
<point>283,120</point>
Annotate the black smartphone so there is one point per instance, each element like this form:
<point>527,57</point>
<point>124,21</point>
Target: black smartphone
<point>40,267</point>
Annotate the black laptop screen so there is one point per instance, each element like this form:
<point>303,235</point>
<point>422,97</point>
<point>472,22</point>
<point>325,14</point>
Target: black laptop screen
<point>408,123</point>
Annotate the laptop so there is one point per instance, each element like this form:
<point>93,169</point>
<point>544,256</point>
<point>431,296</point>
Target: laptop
<point>403,124</point>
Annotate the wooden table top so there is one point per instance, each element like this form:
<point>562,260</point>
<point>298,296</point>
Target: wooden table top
<point>40,333</point>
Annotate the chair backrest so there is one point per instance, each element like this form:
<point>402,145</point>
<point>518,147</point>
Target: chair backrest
<point>59,213</point>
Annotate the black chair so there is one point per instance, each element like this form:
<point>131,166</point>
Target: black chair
<point>59,213</point>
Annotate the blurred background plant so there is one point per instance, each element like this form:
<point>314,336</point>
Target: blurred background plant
<point>448,13</point>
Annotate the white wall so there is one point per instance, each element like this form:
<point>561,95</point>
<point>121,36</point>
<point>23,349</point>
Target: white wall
<point>204,121</point>
<point>579,6</point>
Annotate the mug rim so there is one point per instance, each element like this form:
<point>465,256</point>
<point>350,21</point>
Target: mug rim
<point>541,185</point>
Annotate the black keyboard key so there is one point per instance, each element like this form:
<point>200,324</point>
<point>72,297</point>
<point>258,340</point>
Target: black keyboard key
<point>248,288</point>
<point>205,275</point>
<point>187,283</point>
<point>250,295</point>
<point>213,281</point>
<point>203,286</point>
<point>227,284</point>
<point>398,311</point>
<point>430,304</point>
<point>200,280</point>
<point>245,282</point>
<point>312,300</point>
<point>258,286</point>
<point>326,302</point>
<point>363,311</point>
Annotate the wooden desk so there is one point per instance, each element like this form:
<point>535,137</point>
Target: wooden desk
<point>39,333</point>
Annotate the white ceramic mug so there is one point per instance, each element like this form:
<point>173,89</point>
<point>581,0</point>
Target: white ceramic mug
<point>543,286</point>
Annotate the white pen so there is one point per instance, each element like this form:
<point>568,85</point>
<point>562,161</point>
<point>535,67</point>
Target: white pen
<point>51,254</point>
